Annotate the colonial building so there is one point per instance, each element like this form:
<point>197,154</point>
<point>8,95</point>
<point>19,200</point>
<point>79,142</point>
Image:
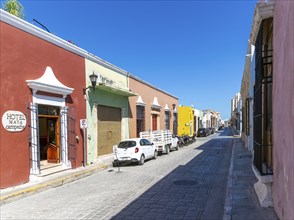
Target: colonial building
<point>236,106</point>
<point>269,106</point>
<point>42,81</point>
<point>63,107</point>
<point>153,108</point>
<point>107,108</point>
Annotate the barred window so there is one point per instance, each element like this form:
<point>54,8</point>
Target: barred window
<point>262,109</point>
<point>242,119</point>
<point>140,119</point>
<point>247,113</point>
<point>167,120</point>
<point>175,123</point>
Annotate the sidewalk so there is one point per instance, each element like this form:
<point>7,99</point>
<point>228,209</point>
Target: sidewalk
<point>241,200</point>
<point>39,184</point>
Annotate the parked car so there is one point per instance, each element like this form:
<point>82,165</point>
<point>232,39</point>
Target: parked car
<point>134,150</point>
<point>203,132</point>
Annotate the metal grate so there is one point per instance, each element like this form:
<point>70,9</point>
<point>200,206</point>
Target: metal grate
<point>140,119</point>
<point>33,138</point>
<point>71,124</point>
<point>262,109</point>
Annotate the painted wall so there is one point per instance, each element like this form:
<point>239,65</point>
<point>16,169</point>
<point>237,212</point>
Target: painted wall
<point>148,92</point>
<point>283,109</point>
<point>24,56</point>
<point>252,82</point>
<point>107,98</point>
<point>186,120</point>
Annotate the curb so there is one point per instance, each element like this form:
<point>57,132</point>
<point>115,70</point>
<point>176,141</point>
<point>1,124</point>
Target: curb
<point>229,191</point>
<point>59,181</point>
<point>229,194</point>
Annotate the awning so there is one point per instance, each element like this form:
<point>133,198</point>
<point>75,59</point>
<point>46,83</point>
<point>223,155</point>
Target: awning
<point>115,90</point>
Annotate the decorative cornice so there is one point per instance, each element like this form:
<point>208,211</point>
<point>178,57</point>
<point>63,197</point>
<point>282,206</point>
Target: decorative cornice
<point>49,83</point>
<point>140,101</point>
<point>155,104</point>
<point>262,11</point>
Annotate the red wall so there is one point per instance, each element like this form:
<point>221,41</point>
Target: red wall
<point>25,57</point>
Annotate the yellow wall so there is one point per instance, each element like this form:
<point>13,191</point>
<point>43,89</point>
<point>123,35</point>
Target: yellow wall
<point>185,120</point>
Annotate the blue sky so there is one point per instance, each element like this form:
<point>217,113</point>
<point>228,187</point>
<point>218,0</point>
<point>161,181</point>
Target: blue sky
<point>194,50</point>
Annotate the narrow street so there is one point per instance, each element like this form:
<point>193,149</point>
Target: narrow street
<point>186,184</point>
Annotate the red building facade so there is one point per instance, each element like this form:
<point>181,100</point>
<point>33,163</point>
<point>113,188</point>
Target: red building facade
<point>42,84</point>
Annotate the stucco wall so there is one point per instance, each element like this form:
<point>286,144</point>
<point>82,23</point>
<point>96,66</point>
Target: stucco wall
<point>24,57</point>
<point>186,121</point>
<point>100,97</point>
<point>283,109</point>
<point>148,93</point>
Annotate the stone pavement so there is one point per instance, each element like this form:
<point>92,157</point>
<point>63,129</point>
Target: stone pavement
<point>241,199</point>
<point>39,184</point>
<point>240,203</point>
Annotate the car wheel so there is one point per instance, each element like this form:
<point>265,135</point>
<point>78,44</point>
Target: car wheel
<point>142,160</point>
<point>155,154</point>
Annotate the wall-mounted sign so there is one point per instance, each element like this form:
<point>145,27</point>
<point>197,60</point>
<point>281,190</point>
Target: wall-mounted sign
<point>83,123</point>
<point>14,121</point>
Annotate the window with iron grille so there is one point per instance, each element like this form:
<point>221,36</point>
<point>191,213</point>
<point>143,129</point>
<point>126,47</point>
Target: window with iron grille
<point>242,119</point>
<point>167,120</point>
<point>247,113</point>
<point>262,109</point>
<point>140,119</point>
<point>175,124</point>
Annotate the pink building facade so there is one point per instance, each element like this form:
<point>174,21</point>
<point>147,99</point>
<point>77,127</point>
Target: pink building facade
<point>283,110</point>
<point>268,95</point>
<point>152,109</point>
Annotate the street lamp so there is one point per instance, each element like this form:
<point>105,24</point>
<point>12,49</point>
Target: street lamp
<point>93,78</point>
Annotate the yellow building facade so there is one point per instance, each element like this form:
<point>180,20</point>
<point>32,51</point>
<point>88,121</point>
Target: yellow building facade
<point>186,121</point>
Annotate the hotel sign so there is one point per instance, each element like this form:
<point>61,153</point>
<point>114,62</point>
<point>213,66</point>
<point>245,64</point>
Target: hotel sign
<point>14,121</point>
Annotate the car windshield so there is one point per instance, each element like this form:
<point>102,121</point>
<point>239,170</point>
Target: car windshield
<point>127,144</point>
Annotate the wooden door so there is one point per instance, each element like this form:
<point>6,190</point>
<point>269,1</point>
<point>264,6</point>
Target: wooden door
<point>154,122</point>
<point>53,140</point>
<point>109,128</point>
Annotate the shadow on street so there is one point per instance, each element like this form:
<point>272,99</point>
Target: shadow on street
<point>195,190</point>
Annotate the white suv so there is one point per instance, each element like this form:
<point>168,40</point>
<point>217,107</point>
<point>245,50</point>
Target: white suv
<point>134,150</point>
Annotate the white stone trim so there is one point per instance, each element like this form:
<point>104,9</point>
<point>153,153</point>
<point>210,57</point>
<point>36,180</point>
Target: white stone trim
<point>263,188</point>
<point>262,11</point>
<point>166,108</point>
<point>49,83</point>
<point>155,104</point>
<point>140,101</point>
